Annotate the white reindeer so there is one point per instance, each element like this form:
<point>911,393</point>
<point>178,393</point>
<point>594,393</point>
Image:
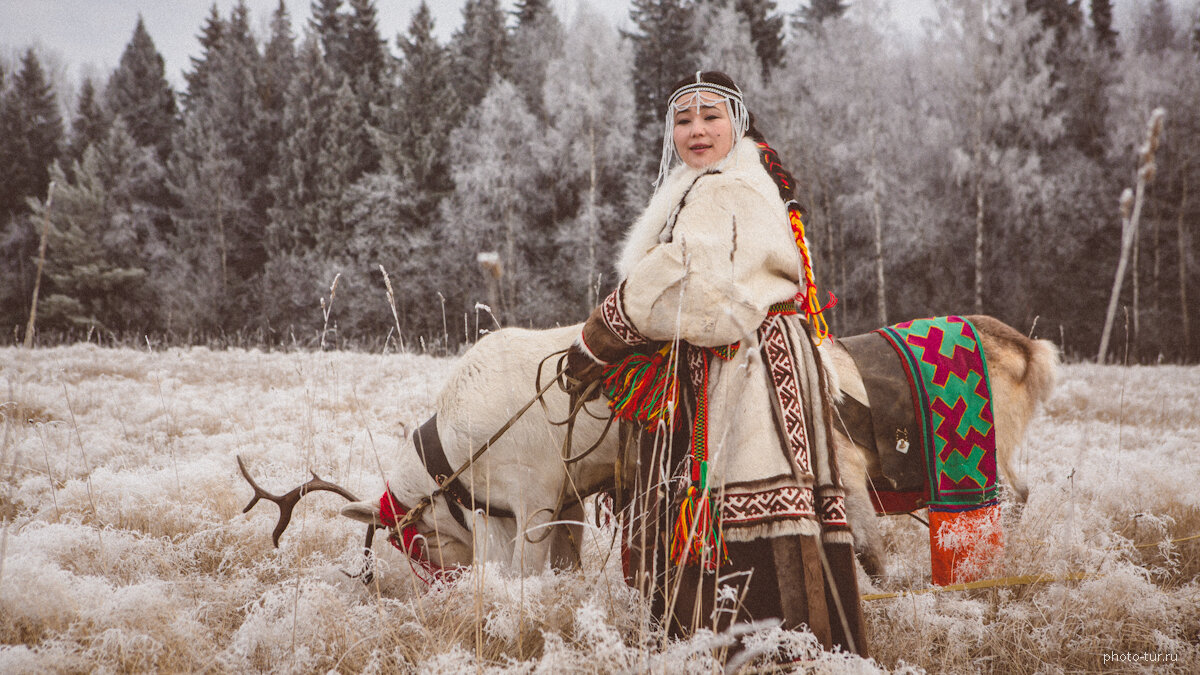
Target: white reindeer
<point>524,472</point>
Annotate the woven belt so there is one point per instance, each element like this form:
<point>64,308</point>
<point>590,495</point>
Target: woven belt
<point>786,307</point>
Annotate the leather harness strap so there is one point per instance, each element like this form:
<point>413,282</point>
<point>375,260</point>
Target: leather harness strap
<point>429,445</point>
<point>891,416</point>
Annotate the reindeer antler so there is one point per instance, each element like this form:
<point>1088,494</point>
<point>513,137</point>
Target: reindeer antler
<point>288,502</point>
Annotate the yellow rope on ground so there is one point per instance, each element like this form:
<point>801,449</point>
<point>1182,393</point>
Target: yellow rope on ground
<point>1025,580</point>
<point>1005,582</point>
<point>1173,541</point>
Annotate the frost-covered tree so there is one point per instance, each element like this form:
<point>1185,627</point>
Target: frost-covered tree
<point>415,126</point>
<point>209,38</point>
<point>861,157</point>
<point>138,93</point>
<point>728,46</point>
<point>328,23</point>
<point>1155,28</point>
<point>1103,34</point>
<point>766,31</point>
<point>529,11</point>
<point>366,53</point>
<point>999,99</point>
<point>496,188</point>
<point>817,12</point>
<point>323,154</point>
<point>212,220</point>
<point>532,44</point>
<point>590,108</point>
<point>31,135</point>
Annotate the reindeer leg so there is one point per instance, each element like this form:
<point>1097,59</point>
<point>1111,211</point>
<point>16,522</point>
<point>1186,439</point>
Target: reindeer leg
<point>868,542</point>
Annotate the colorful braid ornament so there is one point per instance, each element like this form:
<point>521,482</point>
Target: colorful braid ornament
<point>808,299</point>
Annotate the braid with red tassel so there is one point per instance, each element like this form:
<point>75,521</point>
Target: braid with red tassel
<point>808,299</point>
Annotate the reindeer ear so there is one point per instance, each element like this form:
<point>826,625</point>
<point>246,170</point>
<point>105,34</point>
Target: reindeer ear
<point>364,512</point>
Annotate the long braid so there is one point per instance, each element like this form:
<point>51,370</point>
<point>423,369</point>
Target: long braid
<point>786,184</point>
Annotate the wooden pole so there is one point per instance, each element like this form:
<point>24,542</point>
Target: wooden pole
<point>41,261</point>
<point>1131,211</point>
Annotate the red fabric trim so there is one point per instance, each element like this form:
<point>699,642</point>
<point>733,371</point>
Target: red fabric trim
<point>898,503</point>
<point>410,542</point>
<point>983,542</point>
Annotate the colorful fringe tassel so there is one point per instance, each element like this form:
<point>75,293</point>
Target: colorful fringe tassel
<point>697,531</point>
<point>643,388</point>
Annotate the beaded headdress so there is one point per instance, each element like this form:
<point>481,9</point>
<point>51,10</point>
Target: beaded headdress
<point>696,95</point>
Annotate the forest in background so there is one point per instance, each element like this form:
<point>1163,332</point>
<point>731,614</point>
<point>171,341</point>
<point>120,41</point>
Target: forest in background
<point>977,169</point>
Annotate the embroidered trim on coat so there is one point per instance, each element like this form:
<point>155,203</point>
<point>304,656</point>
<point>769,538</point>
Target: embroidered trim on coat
<point>614,318</point>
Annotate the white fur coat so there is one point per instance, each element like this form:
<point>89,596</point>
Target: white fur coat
<point>705,261</point>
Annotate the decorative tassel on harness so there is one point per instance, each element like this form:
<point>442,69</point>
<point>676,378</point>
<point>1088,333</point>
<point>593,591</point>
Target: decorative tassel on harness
<point>644,388</point>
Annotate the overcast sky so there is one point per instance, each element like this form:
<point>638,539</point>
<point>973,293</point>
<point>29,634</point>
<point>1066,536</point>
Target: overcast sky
<point>86,37</point>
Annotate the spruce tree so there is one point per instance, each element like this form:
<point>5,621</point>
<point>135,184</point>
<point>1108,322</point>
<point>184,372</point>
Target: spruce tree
<point>766,31</point>
<point>211,220</point>
<point>366,56</point>
<point>533,43</point>
<point>817,12</point>
<point>1155,28</point>
<point>32,133</point>
<point>276,70</point>
<point>210,40</point>
<point>138,93</point>
<point>416,126</point>
<point>90,124</point>
<point>664,50</point>
<point>1102,26</point>
<point>529,11</point>
<point>329,24</point>
<point>104,240</point>
<point>478,47</point>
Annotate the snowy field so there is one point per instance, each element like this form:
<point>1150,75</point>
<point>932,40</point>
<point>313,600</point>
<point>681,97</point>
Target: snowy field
<point>124,548</point>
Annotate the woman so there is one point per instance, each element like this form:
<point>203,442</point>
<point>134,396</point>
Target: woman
<point>702,349</point>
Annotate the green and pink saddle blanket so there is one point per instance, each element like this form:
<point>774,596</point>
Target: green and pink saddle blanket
<point>938,449</point>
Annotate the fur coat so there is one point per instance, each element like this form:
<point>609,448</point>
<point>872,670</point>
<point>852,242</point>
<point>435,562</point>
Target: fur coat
<point>704,263</point>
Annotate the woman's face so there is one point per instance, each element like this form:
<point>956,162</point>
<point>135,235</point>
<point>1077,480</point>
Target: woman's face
<point>703,132</point>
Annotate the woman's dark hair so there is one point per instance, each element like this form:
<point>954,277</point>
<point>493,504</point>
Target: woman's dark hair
<point>783,178</point>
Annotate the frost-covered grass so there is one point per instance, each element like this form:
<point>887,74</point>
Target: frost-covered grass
<point>124,547</point>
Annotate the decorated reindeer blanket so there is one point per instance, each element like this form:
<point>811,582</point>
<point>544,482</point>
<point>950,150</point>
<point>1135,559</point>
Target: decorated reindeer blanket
<point>947,374</point>
<point>930,421</point>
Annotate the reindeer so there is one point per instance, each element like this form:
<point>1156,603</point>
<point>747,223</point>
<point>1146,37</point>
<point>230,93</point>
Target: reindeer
<point>521,483</point>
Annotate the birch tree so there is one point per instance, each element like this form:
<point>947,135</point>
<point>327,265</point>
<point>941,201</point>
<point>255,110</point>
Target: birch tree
<point>589,103</point>
<point>999,95</point>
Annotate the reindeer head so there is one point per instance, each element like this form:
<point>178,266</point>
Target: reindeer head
<point>426,532</point>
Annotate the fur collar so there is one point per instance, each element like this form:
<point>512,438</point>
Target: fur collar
<point>649,230</point>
